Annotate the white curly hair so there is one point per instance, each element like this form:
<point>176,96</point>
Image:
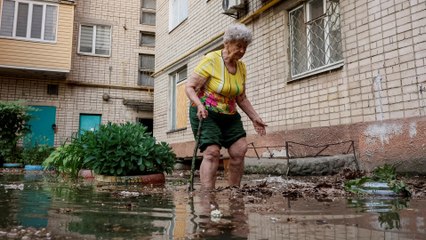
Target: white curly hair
<point>237,31</point>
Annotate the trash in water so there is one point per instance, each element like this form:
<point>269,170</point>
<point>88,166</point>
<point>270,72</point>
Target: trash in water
<point>13,186</point>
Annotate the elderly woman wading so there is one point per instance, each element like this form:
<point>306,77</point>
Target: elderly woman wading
<point>215,88</point>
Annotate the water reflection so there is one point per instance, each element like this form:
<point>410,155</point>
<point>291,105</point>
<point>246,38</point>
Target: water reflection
<point>387,208</point>
<point>220,216</point>
<point>85,210</point>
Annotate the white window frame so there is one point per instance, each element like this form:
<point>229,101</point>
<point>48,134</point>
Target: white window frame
<point>178,12</point>
<point>173,83</point>
<point>309,53</point>
<point>29,21</point>
<point>93,53</point>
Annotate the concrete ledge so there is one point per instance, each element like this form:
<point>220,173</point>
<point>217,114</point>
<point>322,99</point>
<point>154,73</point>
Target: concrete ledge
<point>328,165</point>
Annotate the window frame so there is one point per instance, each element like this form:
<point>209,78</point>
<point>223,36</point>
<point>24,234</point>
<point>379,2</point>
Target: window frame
<point>180,19</point>
<point>309,52</point>
<point>141,34</point>
<point>148,10</point>
<point>174,81</point>
<point>30,19</point>
<point>93,53</point>
<point>145,70</point>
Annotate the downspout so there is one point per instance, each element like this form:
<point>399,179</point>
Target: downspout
<point>247,19</point>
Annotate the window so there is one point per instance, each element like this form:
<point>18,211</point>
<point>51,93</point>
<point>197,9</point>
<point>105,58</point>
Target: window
<point>178,11</point>
<point>315,37</point>
<point>146,69</point>
<point>148,12</point>
<point>95,40</point>
<point>29,20</point>
<point>147,39</point>
<point>178,108</point>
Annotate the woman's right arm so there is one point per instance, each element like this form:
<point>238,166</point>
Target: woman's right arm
<point>192,86</point>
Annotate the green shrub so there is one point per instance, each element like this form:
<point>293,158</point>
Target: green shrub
<point>67,159</point>
<point>36,154</point>
<point>114,149</point>
<point>13,116</point>
<point>126,149</point>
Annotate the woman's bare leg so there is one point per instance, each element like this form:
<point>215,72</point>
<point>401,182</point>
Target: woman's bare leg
<point>209,167</point>
<point>237,152</point>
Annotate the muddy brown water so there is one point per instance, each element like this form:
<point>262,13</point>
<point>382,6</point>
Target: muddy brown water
<point>40,206</point>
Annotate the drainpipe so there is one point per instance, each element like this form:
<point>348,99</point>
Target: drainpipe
<point>247,19</point>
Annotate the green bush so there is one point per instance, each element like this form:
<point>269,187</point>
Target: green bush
<point>114,149</point>
<point>36,154</point>
<point>126,149</point>
<point>13,117</point>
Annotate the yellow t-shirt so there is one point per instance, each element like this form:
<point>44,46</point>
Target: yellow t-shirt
<point>221,89</point>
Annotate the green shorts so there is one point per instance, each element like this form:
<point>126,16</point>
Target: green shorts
<point>217,129</point>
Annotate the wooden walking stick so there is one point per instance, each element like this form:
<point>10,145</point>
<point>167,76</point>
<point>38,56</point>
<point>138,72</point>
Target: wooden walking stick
<point>194,156</point>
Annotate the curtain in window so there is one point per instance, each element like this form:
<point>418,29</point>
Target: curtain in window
<point>103,40</point>
<point>22,22</point>
<point>36,21</point>
<point>86,38</point>
<point>298,42</point>
<point>7,16</point>
<point>178,12</point>
<point>50,23</point>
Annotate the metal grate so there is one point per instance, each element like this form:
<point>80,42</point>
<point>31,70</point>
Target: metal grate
<point>316,42</point>
<point>52,89</point>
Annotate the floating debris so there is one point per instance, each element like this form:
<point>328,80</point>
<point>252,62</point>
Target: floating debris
<point>215,215</point>
<point>129,194</point>
<point>13,186</point>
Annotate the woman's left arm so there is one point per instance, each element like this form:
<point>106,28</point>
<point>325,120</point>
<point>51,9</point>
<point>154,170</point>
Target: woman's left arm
<point>246,106</point>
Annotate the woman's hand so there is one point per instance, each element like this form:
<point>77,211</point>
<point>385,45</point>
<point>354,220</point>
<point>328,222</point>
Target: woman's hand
<point>201,112</point>
<point>259,126</point>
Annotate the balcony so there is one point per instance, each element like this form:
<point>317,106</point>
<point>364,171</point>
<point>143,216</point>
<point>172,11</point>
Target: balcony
<point>36,38</point>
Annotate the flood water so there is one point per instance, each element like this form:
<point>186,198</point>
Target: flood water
<point>87,210</point>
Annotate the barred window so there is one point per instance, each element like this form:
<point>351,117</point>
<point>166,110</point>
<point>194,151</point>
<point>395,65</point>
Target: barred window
<point>146,69</point>
<point>315,38</point>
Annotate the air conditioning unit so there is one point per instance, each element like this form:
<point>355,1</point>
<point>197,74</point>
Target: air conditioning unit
<point>234,7</point>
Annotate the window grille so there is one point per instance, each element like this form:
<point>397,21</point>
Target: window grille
<point>146,69</point>
<point>28,20</point>
<point>52,89</point>
<point>315,37</point>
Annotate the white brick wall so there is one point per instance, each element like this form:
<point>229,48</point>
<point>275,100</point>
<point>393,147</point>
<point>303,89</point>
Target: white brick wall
<point>380,38</point>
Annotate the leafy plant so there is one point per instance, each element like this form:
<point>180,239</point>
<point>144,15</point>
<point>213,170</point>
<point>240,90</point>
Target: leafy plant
<point>386,174</point>
<point>126,149</point>
<point>13,117</point>
<point>35,155</point>
<point>67,159</point>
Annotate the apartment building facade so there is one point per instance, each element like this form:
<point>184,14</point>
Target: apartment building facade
<point>318,72</point>
<point>79,63</point>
